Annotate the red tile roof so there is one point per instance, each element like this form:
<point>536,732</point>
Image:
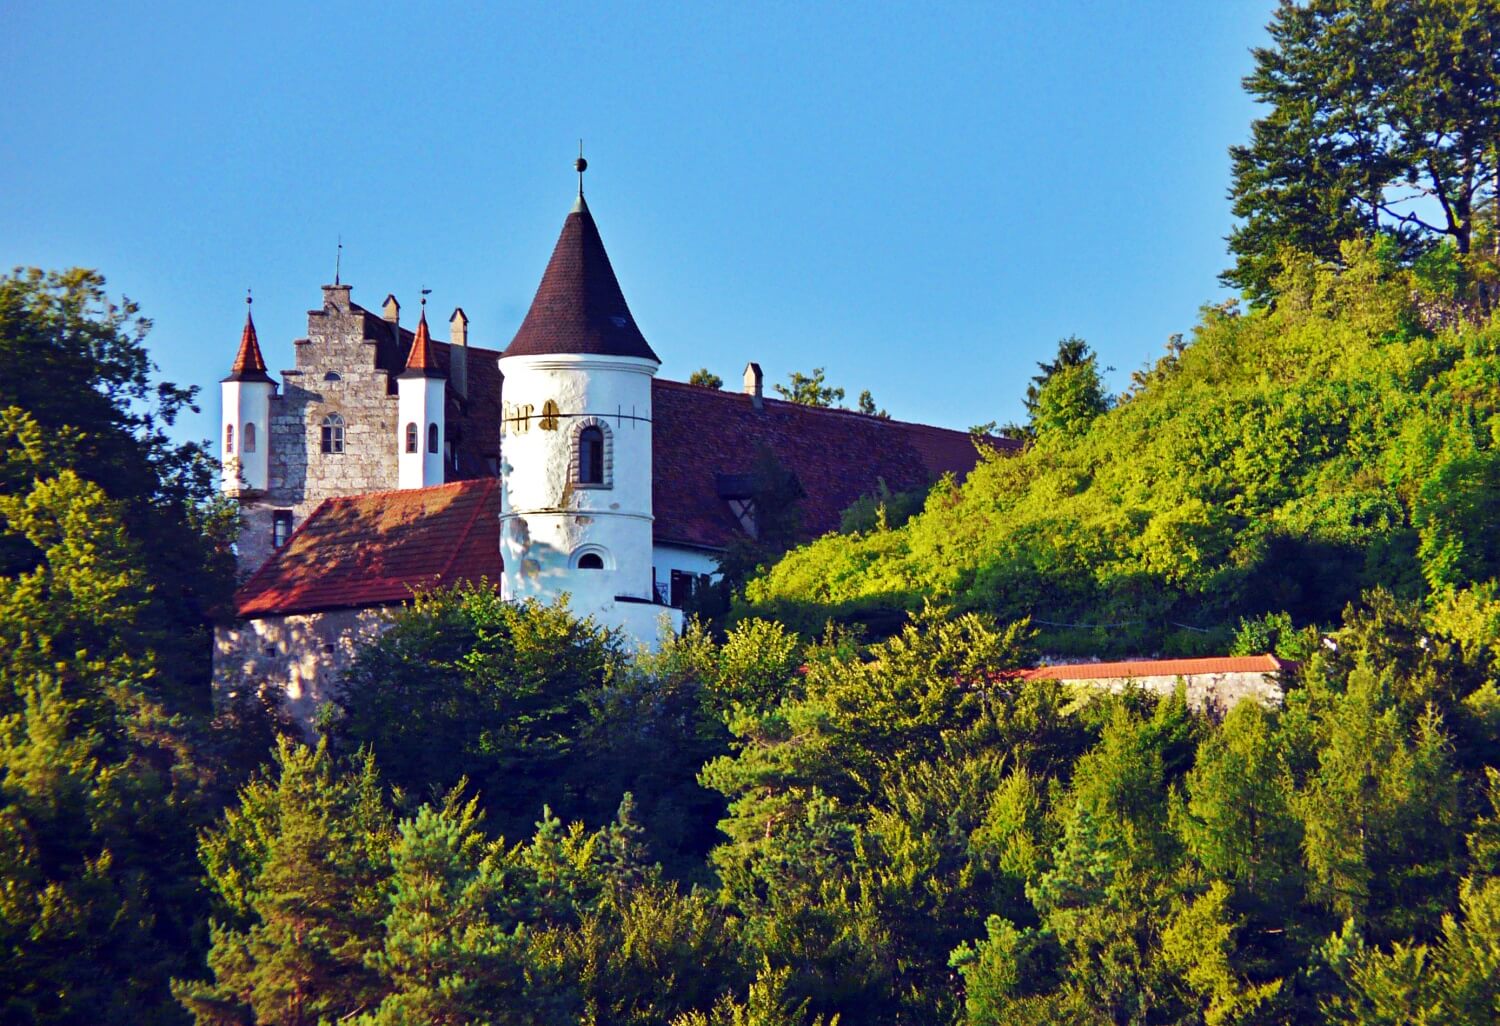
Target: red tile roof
<point>420,362</point>
<point>377,549</point>
<point>579,307</point>
<point>837,455</point>
<point>249,365</point>
<point>1157,668</point>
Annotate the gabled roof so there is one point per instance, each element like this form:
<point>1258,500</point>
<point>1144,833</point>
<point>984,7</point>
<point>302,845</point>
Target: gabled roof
<point>420,362</point>
<point>579,308</point>
<point>379,548</point>
<point>1138,668</point>
<point>249,365</point>
<point>705,439</point>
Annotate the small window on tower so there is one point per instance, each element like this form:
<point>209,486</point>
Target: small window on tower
<point>228,439</point>
<point>432,438</point>
<point>591,561</point>
<point>248,442</point>
<point>591,456</point>
<point>281,527</point>
<point>411,438</point>
<point>333,433</point>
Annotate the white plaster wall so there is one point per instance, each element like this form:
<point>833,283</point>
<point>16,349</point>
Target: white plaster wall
<point>545,519</point>
<point>666,558</point>
<point>245,402</point>
<point>420,402</point>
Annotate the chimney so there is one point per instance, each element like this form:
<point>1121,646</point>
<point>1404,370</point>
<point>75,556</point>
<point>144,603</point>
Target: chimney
<point>754,382</point>
<point>458,352</point>
<point>392,309</point>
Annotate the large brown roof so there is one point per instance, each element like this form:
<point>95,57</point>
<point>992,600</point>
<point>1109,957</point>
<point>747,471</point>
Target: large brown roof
<point>579,307</point>
<point>249,365</point>
<point>700,435</point>
<point>380,548</point>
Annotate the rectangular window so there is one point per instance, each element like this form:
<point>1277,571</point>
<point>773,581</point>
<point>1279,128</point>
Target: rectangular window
<point>281,527</point>
<point>682,589</point>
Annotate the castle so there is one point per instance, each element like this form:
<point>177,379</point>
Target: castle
<point>387,461</point>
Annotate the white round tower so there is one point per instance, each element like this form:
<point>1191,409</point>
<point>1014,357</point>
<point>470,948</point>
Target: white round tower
<point>244,431</point>
<point>575,442</point>
<point>420,404</point>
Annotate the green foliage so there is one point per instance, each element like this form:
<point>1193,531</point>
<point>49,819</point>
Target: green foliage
<point>532,706</point>
<point>1371,106</point>
<point>1281,463</point>
<point>109,566</point>
<point>809,389</point>
<point>1066,395</point>
<point>705,378</point>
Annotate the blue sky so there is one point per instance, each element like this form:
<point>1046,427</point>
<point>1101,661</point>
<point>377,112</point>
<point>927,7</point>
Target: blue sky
<point>920,198</point>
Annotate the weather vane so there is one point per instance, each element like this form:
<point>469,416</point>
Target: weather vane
<point>581,165</point>
<point>248,298</point>
<point>338,261</point>
<point>425,294</point>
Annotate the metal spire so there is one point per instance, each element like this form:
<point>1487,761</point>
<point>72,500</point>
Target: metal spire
<point>338,261</point>
<point>581,166</point>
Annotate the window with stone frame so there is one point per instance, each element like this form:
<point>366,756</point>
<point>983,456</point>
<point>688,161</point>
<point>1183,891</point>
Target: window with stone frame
<point>333,434</point>
<point>432,438</point>
<point>411,437</point>
<point>593,455</point>
<point>281,527</point>
<point>247,439</point>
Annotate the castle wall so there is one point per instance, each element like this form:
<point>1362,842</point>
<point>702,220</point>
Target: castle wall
<point>302,656</point>
<point>1215,693</point>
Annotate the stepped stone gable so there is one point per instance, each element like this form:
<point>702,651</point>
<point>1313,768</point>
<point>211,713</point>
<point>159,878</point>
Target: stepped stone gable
<point>339,371</point>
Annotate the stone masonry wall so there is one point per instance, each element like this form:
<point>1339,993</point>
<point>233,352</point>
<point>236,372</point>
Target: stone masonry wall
<point>336,372</point>
<point>1215,693</point>
<point>302,657</point>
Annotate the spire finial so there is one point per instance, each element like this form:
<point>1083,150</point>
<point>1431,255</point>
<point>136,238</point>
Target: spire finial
<point>248,297</point>
<point>425,294</point>
<point>338,261</point>
<point>581,166</point>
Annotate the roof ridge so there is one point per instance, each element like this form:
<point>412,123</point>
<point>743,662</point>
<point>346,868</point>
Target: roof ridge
<point>404,491</point>
<point>276,553</point>
<point>726,394</point>
<point>463,536</point>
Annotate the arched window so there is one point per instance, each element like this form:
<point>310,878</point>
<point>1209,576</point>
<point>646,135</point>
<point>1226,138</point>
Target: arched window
<point>228,439</point>
<point>591,455</point>
<point>432,438</point>
<point>247,442</point>
<point>333,433</point>
<point>591,561</point>
<point>411,437</point>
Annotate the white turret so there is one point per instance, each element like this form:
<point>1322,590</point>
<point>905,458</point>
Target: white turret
<point>420,406</point>
<point>244,434</point>
<point>575,443</point>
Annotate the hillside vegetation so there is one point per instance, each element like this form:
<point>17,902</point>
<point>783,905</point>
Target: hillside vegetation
<point>1281,461</point>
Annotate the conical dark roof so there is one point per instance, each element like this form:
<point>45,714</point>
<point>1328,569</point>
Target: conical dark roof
<point>249,365</point>
<point>579,307</point>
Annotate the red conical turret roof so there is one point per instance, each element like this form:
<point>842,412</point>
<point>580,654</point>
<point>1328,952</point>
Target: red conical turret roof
<point>249,365</point>
<point>422,361</point>
<point>579,307</point>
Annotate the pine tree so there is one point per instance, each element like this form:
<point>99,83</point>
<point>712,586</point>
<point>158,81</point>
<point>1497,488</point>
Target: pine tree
<point>302,868</point>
